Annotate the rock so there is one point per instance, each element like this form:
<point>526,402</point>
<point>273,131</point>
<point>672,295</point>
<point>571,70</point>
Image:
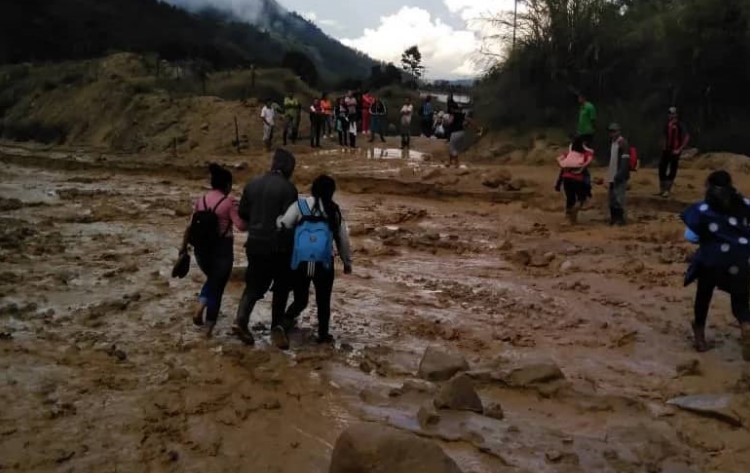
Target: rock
<point>459,394</point>
<point>555,456</point>
<point>494,410</point>
<point>505,245</point>
<point>365,367</point>
<point>120,355</point>
<point>437,365</point>
<point>418,386</point>
<point>427,416</point>
<point>567,266</point>
<point>531,374</point>
<point>689,368</point>
<point>372,448</point>
<point>432,174</point>
<point>718,406</point>
<point>496,179</point>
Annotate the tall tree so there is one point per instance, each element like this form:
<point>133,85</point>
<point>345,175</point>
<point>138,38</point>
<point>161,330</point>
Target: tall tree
<point>411,61</point>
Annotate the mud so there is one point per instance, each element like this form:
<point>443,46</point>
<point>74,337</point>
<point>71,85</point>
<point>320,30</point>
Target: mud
<point>577,337</point>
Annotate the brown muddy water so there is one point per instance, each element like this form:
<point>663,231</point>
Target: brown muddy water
<point>102,369</point>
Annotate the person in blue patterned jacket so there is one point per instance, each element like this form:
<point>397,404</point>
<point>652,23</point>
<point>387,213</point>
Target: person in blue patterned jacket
<point>720,225</point>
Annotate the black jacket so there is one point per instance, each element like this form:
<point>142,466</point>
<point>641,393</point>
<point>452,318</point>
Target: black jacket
<point>264,199</point>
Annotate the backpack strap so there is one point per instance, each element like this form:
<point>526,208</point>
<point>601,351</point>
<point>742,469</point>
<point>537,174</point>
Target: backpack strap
<point>304,208</point>
<point>217,205</point>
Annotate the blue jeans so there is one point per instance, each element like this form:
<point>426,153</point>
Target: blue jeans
<point>216,264</point>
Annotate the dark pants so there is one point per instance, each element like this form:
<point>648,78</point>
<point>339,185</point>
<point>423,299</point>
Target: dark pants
<point>378,123</point>
<point>668,166</point>
<point>323,281</point>
<point>575,192</point>
<point>262,271</point>
<point>427,126</point>
<point>405,136</point>
<point>316,125</point>
<point>739,294</point>
<point>352,140</point>
<point>216,264</point>
<point>291,129</point>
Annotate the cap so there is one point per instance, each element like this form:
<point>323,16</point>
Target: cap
<point>673,110</point>
<point>613,127</point>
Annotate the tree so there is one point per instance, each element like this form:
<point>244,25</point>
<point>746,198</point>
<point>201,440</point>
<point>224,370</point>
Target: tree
<point>411,60</point>
<point>302,66</point>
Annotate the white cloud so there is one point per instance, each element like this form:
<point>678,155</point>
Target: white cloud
<point>445,50</point>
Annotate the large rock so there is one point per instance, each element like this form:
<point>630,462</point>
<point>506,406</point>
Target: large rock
<point>459,394</point>
<point>718,406</point>
<point>372,448</point>
<point>427,416</point>
<point>532,374</point>
<point>437,365</point>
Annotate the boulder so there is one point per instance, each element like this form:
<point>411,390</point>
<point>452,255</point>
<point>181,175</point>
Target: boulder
<point>718,406</point>
<point>459,394</point>
<point>437,365</point>
<point>532,374</point>
<point>494,410</point>
<point>372,448</point>
<point>427,416</point>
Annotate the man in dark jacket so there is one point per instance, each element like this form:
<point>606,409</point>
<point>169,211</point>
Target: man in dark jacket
<point>618,174</point>
<point>269,252</point>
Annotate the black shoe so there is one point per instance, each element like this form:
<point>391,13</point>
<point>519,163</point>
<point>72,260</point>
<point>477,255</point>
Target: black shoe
<point>279,338</point>
<point>243,334</point>
<point>325,339</point>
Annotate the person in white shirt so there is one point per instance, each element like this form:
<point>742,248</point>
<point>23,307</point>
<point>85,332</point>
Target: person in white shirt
<point>407,111</point>
<point>268,117</point>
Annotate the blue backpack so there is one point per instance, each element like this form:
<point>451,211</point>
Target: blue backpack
<point>313,239</point>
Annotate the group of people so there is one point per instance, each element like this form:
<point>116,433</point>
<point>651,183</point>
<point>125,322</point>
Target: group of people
<point>575,177</point>
<point>719,224</point>
<point>289,246</point>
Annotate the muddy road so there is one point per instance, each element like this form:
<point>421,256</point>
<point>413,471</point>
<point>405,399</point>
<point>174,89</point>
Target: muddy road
<point>581,334</point>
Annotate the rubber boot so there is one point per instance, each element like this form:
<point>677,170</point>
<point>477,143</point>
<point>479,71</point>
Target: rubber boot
<point>699,339</point>
<point>572,215</point>
<point>667,189</point>
<point>662,188</point>
<point>745,341</point>
<point>612,216</point>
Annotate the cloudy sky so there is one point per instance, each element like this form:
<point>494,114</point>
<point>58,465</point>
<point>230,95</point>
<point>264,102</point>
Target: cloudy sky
<point>446,31</point>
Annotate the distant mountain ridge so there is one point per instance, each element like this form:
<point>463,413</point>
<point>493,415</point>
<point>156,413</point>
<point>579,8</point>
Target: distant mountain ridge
<point>57,30</point>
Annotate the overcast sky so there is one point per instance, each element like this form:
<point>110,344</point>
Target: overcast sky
<point>446,31</point>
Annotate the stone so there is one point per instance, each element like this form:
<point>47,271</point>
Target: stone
<point>496,179</point>
<point>717,406</point>
<point>459,394</point>
<point>567,266</point>
<point>373,448</point>
<point>437,365</point>
<point>689,368</point>
<point>418,386</point>
<point>494,410</point>
<point>427,416</point>
<point>532,374</point>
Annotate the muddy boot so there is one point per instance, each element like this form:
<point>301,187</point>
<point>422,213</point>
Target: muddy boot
<point>662,188</point>
<point>279,338</point>
<point>667,189</point>
<point>745,341</point>
<point>572,215</point>
<point>243,334</point>
<point>699,339</point>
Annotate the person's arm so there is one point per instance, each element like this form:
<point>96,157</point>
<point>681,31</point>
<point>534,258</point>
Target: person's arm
<point>290,218</point>
<point>243,210</point>
<point>623,164</point>
<point>234,215</point>
<point>186,234</point>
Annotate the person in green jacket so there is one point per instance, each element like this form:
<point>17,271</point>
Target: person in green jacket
<point>586,120</point>
<point>292,112</point>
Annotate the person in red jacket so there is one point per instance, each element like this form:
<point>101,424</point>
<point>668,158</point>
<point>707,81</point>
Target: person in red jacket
<point>573,165</point>
<point>367,101</point>
<point>676,138</point>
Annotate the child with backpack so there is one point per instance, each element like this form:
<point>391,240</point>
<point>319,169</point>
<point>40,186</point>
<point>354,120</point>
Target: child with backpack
<point>720,226</point>
<point>318,223</point>
<point>210,235</point>
<point>574,177</point>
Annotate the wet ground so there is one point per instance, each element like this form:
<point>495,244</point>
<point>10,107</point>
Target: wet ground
<point>103,371</point>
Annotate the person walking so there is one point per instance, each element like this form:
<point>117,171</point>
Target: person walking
<point>268,251</point>
<point>342,122</point>
<point>618,174</point>
<point>319,207</point>
<point>586,121</point>
<point>268,118</point>
<point>327,107</point>
<point>292,112</point>
<point>352,111</point>
<point>316,123</point>
<point>210,234</point>
<point>458,140</point>
<point>676,138</point>
<point>719,225</point>
<point>426,114</point>
<point>573,166</point>
<point>378,112</point>
<point>367,101</point>
<point>407,111</point>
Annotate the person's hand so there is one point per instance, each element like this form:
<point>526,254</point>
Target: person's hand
<point>347,269</point>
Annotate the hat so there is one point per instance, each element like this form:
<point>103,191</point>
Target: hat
<point>673,110</point>
<point>613,127</point>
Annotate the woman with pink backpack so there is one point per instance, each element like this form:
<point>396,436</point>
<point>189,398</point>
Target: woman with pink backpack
<point>574,177</point>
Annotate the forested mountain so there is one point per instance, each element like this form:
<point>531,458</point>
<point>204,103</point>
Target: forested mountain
<point>54,30</point>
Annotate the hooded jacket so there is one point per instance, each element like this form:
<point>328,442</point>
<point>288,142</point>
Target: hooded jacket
<point>264,199</point>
